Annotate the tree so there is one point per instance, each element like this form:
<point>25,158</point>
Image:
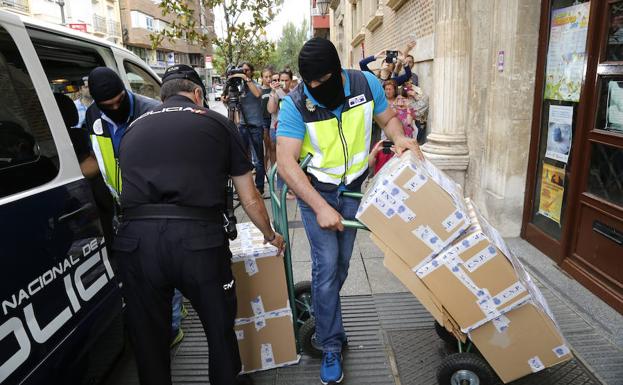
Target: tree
<point>244,22</point>
<point>288,47</point>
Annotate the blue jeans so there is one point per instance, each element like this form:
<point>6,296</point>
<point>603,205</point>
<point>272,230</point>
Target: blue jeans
<point>253,138</point>
<point>330,254</point>
<point>177,312</point>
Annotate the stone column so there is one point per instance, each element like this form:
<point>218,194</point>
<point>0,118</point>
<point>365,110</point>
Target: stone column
<point>447,141</point>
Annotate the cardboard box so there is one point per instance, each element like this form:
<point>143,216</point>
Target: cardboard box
<point>414,208</point>
<point>270,346</point>
<point>475,279</point>
<point>401,270</point>
<point>530,343</point>
<point>264,319</point>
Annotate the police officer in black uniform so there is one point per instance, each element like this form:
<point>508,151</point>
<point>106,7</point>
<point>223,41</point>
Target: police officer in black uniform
<point>176,162</point>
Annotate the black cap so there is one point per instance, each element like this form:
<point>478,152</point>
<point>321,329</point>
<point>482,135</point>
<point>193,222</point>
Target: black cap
<point>183,71</point>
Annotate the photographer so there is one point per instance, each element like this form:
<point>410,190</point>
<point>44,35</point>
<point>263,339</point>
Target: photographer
<point>252,120</point>
<point>391,57</point>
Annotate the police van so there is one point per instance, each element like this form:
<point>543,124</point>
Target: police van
<point>60,303</point>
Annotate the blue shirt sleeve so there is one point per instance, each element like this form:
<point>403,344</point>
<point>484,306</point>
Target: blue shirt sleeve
<point>380,101</point>
<point>363,63</point>
<point>290,122</point>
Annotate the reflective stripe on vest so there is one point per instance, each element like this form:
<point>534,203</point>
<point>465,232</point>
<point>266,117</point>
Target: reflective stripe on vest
<point>340,148</point>
<point>105,155</point>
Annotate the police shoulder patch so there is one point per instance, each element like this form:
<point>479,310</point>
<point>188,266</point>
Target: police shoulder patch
<point>98,129</point>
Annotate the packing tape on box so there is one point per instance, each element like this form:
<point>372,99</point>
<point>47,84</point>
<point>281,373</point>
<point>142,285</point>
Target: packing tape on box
<point>268,359</point>
<point>241,255</point>
<point>416,182</point>
<point>535,364</point>
<point>509,294</point>
<point>427,235</point>
<point>503,311</point>
<point>453,220</point>
<point>258,309</point>
<point>394,191</point>
<point>480,258</point>
<point>262,317</point>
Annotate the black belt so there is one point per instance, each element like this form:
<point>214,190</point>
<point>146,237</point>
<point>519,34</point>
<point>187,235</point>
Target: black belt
<point>169,211</point>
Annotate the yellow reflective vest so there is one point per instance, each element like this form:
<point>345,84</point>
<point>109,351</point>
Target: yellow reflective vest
<point>339,146</point>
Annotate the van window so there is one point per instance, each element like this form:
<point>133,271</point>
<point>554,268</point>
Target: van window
<point>28,155</point>
<point>141,82</point>
<point>67,67</point>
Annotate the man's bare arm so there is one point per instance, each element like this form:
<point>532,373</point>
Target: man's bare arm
<point>288,150</point>
<point>253,205</point>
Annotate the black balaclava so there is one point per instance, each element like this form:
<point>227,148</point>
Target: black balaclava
<point>317,58</point>
<point>105,84</point>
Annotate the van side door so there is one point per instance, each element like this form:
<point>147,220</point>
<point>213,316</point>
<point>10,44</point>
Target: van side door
<point>57,292</point>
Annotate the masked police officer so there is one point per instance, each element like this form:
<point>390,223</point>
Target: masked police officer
<point>330,116</point>
<point>176,162</point>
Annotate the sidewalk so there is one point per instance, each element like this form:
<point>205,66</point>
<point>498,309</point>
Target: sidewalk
<point>594,330</point>
<point>391,336</point>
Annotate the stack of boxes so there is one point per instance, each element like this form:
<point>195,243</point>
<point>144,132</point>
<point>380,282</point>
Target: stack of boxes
<point>440,247</point>
<point>263,325</point>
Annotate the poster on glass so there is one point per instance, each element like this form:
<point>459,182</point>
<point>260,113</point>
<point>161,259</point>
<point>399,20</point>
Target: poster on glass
<point>552,192</point>
<point>559,133</point>
<point>614,113</point>
<point>566,54</point>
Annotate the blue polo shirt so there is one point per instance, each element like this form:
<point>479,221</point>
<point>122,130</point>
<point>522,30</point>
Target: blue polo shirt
<point>291,123</point>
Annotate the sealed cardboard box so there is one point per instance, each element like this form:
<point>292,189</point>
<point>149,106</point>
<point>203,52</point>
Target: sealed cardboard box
<point>475,279</point>
<point>264,319</point>
<point>530,343</point>
<point>400,270</point>
<point>268,345</point>
<point>413,208</point>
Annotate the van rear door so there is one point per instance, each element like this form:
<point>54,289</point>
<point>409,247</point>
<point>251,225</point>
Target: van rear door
<point>57,291</point>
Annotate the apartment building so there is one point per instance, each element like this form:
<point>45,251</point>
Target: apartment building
<point>140,18</point>
<point>97,17</point>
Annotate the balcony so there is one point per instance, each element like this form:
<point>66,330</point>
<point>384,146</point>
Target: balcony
<point>99,25</point>
<point>15,5</point>
<point>114,28</point>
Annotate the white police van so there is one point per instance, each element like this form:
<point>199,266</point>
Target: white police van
<point>60,304</point>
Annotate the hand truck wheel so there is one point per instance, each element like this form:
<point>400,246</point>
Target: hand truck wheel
<point>303,299</point>
<point>465,369</point>
<point>306,335</point>
<point>444,334</point>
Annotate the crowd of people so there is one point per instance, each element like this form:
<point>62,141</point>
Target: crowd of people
<point>404,95</point>
<point>261,103</point>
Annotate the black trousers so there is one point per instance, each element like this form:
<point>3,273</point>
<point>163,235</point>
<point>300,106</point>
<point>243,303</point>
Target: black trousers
<point>157,255</point>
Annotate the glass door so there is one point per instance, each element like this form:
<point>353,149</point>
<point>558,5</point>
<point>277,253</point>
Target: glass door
<point>558,113</point>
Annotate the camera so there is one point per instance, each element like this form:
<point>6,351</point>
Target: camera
<point>233,87</point>
<point>391,56</point>
<point>387,146</point>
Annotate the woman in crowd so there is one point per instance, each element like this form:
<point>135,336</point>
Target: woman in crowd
<point>280,85</point>
<point>267,74</point>
<point>399,102</point>
<point>386,72</point>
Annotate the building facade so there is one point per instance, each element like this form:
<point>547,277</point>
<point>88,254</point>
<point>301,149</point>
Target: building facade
<point>471,114</point>
<point>140,18</point>
<point>98,17</point>
<point>524,113</point>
